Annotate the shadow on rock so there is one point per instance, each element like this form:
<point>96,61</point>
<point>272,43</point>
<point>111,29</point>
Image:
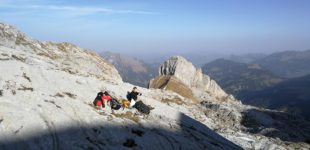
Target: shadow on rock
<point>191,135</point>
<point>287,127</point>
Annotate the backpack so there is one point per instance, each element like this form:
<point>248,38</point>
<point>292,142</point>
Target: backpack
<point>114,104</point>
<point>128,96</point>
<point>141,107</point>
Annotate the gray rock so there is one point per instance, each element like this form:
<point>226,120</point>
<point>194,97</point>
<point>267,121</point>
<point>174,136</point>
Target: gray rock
<point>186,72</point>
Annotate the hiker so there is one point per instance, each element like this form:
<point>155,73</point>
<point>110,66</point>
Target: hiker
<point>106,97</point>
<point>139,105</point>
<point>101,98</point>
<point>133,96</point>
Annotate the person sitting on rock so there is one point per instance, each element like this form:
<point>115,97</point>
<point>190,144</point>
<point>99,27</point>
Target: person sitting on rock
<point>101,98</point>
<point>133,96</point>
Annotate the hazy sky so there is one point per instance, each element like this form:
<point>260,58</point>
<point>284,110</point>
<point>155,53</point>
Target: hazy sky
<point>160,26</point>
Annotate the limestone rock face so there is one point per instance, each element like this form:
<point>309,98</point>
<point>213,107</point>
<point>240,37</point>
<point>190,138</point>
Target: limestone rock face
<point>186,73</point>
<point>68,57</point>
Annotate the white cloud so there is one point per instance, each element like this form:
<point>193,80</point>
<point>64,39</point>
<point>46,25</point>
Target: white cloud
<point>77,11</point>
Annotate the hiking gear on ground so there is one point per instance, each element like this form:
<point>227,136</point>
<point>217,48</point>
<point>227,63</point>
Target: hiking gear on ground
<point>114,104</point>
<point>141,107</point>
<point>103,105</point>
<point>125,103</point>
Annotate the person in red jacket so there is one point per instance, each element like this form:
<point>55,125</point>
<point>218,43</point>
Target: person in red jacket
<point>106,97</point>
<point>101,98</point>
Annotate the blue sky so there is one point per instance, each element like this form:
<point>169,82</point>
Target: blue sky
<point>161,26</point>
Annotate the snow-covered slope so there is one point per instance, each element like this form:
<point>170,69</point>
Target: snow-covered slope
<point>46,91</point>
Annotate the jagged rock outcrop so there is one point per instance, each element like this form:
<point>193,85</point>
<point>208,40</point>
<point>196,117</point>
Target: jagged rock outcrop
<point>43,106</point>
<point>178,68</point>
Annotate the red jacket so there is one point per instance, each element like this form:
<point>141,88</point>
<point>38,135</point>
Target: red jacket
<point>106,97</point>
<point>102,101</point>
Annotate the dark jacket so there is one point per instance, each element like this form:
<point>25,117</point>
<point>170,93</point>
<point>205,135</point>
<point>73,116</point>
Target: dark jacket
<point>134,95</point>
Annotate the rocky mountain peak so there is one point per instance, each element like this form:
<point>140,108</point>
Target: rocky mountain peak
<point>189,75</point>
<point>178,66</point>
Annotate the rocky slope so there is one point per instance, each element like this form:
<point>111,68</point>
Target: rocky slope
<point>46,91</point>
<point>179,75</point>
<point>132,70</point>
<point>64,56</point>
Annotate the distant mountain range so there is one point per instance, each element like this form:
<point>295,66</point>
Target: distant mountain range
<point>132,70</point>
<point>288,64</point>
<point>235,77</point>
<point>246,58</point>
<point>292,95</point>
<point>280,80</point>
